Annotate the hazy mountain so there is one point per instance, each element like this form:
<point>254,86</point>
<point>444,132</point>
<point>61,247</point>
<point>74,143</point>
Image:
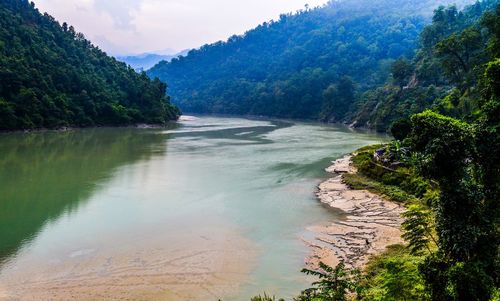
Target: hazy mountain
<point>145,61</point>
<point>290,66</point>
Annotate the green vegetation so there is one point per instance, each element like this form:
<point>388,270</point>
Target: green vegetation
<point>398,181</point>
<point>445,167</point>
<point>51,76</point>
<point>311,64</point>
<point>265,298</point>
<point>389,171</point>
<point>365,63</point>
<point>334,283</point>
<point>452,51</point>
<point>394,276</point>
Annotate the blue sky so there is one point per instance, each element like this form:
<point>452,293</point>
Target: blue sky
<point>136,26</point>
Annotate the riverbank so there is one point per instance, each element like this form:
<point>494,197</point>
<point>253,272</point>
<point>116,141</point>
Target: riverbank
<point>368,225</point>
<point>209,210</point>
<point>73,128</point>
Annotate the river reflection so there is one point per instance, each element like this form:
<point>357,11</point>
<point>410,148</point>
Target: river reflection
<point>213,208</point>
<point>43,175</point>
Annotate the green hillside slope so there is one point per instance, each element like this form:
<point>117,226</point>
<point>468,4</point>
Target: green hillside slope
<point>51,76</point>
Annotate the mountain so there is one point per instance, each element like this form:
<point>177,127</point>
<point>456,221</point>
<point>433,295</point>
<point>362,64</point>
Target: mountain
<point>51,76</point>
<point>442,76</point>
<point>293,67</point>
<point>145,61</point>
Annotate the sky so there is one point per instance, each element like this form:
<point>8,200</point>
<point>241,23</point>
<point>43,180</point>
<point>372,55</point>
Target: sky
<point>124,27</point>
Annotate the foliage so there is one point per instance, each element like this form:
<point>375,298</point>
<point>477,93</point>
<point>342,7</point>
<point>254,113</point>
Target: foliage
<point>333,285</point>
<point>265,298</point>
<point>337,99</point>
<point>396,180</point>
<point>401,129</point>
<point>446,169</point>
<point>491,21</point>
<point>51,76</point>
<point>465,267</point>
<point>365,63</point>
<point>401,71</point>
<point>304,65</point>
<point>453,228</point>
<point>393,275</point>
<point>451,55</point>
<point>394,193</point>
<point>419,228</point>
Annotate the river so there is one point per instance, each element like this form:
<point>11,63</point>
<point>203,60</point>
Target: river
<point>209,208</point>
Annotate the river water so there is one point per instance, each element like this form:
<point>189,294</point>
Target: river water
<point>210,208</point>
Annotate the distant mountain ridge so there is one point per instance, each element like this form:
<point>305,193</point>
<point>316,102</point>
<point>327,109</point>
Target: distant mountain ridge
<point>291,67</point>
<point>145,61</point>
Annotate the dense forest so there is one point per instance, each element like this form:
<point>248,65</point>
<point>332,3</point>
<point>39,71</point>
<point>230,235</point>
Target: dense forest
<point>452,51</point>
<point>429,74</point>
<point>443,166</point>
<point>313,64</point>
<point>51,77</point>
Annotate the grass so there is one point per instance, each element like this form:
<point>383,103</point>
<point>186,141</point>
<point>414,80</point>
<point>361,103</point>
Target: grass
<point>398,183</point>
<point>394,193</point>
<point>393,275</point>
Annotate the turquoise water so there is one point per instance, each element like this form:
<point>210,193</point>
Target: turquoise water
<point>104,205</point>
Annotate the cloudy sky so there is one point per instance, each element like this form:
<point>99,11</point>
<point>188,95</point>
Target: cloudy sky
<point>136,26</point>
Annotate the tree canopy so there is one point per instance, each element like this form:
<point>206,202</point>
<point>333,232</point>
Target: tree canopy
<point>289,67</point>
<point>51,76</point>
<point>360,62</point>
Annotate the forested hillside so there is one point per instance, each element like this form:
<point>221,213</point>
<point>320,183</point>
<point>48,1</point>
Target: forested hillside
<point>443,166</point>
<point>312,64</point>
<point>443,74</point>
<point>51,76</point>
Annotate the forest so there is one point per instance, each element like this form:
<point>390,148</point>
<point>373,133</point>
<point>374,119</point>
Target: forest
<point>315,64</point>
<point>51,77</point>
<point>443,74</point>
<point>443,166</point>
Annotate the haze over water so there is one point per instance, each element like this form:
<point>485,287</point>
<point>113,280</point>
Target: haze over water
<point>211,208</point>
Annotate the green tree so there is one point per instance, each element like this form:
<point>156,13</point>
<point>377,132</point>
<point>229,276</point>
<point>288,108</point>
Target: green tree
<point>334,284</point>
<point>337,99</point>
<point>401,129</point>
<point>459,53</point>
<point>491,20</point>
<point>401,71</point>
<point>418,227</point>
<point>464,266</point>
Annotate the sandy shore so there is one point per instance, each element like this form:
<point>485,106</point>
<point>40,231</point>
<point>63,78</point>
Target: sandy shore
<point>369,224</point>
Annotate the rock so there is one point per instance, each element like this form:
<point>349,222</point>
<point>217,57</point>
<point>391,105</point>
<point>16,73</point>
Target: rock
<point>369,223</point>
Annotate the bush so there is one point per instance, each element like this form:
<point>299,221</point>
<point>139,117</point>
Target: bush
<point>265,298</point>
<point>394,275</point>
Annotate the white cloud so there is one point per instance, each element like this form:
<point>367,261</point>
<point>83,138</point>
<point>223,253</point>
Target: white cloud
<point>135,26</point>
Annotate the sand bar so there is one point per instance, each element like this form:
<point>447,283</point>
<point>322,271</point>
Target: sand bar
<point>368,225</point>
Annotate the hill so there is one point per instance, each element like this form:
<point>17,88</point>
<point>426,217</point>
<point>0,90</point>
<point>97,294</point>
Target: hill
<point>51,76</point>
<point>293,67</point>
<point>443,75</point>
<point>145,61</point>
